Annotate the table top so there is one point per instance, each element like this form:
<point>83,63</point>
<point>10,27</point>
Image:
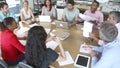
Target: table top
<point>71,44</point>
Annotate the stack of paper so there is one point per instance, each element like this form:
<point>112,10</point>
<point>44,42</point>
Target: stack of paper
<point>87,28</point>
<point>52,45</point>
<point>68,60</point>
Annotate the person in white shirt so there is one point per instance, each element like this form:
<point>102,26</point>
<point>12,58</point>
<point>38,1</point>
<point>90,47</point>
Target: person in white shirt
<point>110,51</point>
<point>26,14</point>
<point>113,17</point>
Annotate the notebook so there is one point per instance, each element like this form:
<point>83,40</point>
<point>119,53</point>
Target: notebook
<point>43,18</point>
<point>61,24</point>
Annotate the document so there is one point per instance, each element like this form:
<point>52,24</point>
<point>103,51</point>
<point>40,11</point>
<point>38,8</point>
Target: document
<point>85,50</point>
<point>52,45</point>
<point>47,30</point>
<point>87,28</point>
<point>32,25</point>
<point>23,42</point>
<point>43,18</point>
<point>86,17</point>
<point>68,60</point>
<point>21,24</point>
<point>21,32</point>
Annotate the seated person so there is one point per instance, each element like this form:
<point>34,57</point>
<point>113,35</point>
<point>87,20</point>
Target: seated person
<point>70,13</point>
<point>4,12</point>
<point>12,49</point>
<point>37,55</point>
<point>48,9</point>
<point>26,14</point>
<point>93,12</point>
<point>113,17</point>
<point>110,51</point>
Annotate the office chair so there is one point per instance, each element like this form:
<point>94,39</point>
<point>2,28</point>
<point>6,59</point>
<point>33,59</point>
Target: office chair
<point>23,65</point>
<point>3,64</point>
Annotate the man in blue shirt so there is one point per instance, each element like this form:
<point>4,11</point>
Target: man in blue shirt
<point>110,52</point>
<point>5,12</point>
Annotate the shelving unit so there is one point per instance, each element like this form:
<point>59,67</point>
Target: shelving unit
<point>37,6</point>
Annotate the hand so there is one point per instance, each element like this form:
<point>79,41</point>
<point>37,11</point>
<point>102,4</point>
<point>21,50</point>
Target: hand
<point>87,47</point>
<point>22,38</point>
<point>93,53</point>
<point>71,25</point>
<point>92,35</point>
<point>94,22</point>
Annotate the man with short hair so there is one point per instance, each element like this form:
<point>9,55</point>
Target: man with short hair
<point>4,11</point>
<point>70,13</point>
<point>95,13</point>
<point>110,51</point>
<point>113,17</point>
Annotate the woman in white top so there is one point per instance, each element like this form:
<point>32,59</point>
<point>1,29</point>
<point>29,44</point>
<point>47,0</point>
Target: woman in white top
<point>48,9</point>
<point>26,14</point>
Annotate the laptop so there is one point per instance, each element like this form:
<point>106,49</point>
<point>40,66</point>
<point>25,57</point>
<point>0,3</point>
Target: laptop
<point>61,24</point>
<point>45,18</point>
<point>60,33</point>
<point>82,61</point>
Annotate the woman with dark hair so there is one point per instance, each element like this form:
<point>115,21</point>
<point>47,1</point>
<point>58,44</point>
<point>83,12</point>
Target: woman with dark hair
<point>48,9</point>
<point>37,55</point>
<point>12,49</point>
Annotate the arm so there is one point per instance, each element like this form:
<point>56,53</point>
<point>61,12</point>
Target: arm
<point>104,62</point>
<point>53,13</point>
<point>15,43</point>
<point>42,13</point>
<point>33,17</point>
<point>101,19</point>
<point>75,22</point>
<point>94,37</point>
<point>76,18</point>
<point>63,16</point>
<point>62,55</point>
<point>22,17</point>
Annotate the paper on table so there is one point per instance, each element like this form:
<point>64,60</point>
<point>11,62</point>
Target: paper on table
<point>82,49</point>
<point>68,60</point>
<point>32,25</point>
<point>86,17</point>
<point>21,31</point>
<point>21,24</point>
<point>23,42</point>
<point>43,18</point>
<point>52,45</point>
<point>47,30</point>
<point>87,28</point>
